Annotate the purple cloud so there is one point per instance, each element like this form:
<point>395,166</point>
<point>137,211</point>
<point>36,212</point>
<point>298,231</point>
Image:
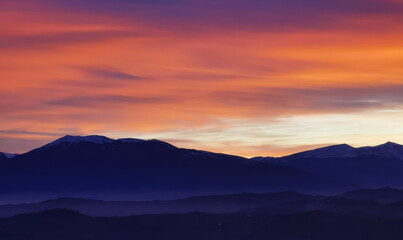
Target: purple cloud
<point>267,15</point>
<point>337,99</point>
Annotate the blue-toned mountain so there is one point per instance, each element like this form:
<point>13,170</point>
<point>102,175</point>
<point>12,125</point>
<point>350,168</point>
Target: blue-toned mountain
<point>377,166</point>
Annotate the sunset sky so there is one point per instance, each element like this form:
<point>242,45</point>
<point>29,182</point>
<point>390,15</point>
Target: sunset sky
<point>246,77</point>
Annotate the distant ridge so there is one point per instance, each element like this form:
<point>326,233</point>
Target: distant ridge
<point>342,150</point>
<point>383,195</point>
<point>373,167</point>
<point>388,149</point>
<point>386,202</point>
<point>211,203</point>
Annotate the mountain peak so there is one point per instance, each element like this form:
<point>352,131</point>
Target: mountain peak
<point>72,140</point>
<point>388,149</point>
<point>340,150</point>
<point>97,139</point>
<point>343,146</point>
<point>390,144</point>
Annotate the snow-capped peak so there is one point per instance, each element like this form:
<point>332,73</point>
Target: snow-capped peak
<point>72,140</point>
<point>389,149</point>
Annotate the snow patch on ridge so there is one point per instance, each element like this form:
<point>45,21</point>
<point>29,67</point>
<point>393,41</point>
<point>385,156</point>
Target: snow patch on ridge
<point>388,150</point>
<point>130,140</point>
<point>10,155</point>
<point>72,140</point>
<point>96,139</point>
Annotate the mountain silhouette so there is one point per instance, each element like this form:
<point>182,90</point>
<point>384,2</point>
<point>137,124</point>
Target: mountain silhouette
<point>372,167</point>
<point>103,168</point>
<point>98,167</point>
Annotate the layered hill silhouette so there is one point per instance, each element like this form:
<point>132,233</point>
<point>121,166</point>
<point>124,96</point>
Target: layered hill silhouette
<point>382,195</point>
<point>361,202</point>
<point>210,204</point>
<point>312,225</point>
<point>280,216</point>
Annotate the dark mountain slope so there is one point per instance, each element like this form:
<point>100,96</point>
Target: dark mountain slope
<point>328,204</point>
<point>66,225</point>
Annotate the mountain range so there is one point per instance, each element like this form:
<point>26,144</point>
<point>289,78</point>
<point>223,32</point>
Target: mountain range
<point>365,167</point>
<point>279,216</point>
<point>335,192</point>
<point>103,168</point>
<point>211,204</point>
<point>383,202</point>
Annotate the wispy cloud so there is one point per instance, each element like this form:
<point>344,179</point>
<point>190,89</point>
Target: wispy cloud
<point>102,100</point>
<point>27,132</point>
<point>102,78</point>
<point>51,40</point>
<point>109,74</point>
<point>320,99</point>
<point>253,15</point>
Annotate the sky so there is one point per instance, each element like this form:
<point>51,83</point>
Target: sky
<point>245,77</point>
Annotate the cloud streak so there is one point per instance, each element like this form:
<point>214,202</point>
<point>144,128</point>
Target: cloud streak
<point>109,74</point>
<point>102,100</point>
<point>325,99</point>
<point>271,15</point>
<point>48,40</point>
